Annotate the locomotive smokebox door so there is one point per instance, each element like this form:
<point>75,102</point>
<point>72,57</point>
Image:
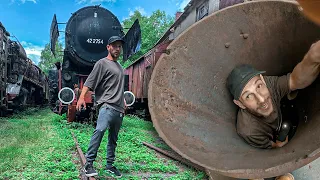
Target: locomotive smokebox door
<point>87,34</point>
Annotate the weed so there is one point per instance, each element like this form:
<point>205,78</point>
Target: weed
<point>33,146</point>
<point>37,144</point>
<point>133,159</point>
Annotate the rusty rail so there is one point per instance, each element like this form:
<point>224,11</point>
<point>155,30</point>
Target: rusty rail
<point>175,157</point>
<point>82,158</point>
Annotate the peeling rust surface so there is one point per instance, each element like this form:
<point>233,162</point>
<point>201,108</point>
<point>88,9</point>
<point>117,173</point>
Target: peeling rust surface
<point>192,109</point>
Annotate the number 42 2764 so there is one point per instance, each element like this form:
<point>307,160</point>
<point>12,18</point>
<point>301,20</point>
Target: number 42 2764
<point>95,41</point>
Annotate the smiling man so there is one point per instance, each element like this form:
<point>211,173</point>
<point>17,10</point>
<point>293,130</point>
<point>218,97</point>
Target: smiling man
<point>259,118</point>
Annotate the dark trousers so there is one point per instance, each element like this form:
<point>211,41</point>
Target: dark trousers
<point>111,119</point>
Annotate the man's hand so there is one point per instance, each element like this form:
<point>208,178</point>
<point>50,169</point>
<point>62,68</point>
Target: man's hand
<point>279,144</point>
<point>80,103</point>
<point>314,52</point>
<point>305,72</point>
<point>81,98</point>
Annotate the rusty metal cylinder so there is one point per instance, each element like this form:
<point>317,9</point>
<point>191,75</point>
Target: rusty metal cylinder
<point>192,109</point>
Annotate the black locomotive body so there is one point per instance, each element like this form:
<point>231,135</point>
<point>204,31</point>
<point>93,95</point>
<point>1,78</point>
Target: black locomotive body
<point>86,36</point>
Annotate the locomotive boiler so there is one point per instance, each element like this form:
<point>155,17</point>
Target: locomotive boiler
<point>86,35</point>
<point>22,83</point>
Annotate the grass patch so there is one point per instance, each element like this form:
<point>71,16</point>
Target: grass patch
<point>37,144</point>
<point>133,159</point>
<point>33,146</point>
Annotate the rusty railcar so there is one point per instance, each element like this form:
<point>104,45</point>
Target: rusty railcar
<point>3,67</point>
<point>139,74</point>
<point>22,83</point>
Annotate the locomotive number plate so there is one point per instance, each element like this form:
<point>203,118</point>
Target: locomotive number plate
<point>95,41</point>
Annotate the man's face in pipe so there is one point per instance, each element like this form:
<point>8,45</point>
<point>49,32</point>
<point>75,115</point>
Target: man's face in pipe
<point>115,49</point>
<point>255,97</point>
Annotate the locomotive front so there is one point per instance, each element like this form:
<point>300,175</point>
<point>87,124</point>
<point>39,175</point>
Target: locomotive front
<point>86,35</point>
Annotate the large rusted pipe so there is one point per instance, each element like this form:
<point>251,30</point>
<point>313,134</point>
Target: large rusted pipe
<point>192,109</point>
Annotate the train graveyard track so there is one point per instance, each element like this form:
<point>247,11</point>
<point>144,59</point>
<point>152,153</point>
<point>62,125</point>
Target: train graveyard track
<point>38,144</point>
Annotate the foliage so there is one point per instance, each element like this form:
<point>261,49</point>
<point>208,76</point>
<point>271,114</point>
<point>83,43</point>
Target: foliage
<point>37,144</point>
<point>33,146</point>
<point>47,59</point>
<point>133,159</point>
<point>152,28</point>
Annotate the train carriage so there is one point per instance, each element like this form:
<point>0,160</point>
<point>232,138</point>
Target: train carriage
<point>22,83</point>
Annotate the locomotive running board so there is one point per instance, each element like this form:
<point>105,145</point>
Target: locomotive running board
<point>54,34</point>
<point>132,40</point>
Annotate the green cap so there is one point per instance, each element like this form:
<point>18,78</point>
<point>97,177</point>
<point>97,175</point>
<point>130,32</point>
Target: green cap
<point>239,77</point>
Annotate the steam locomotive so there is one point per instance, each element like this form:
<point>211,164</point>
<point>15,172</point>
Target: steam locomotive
<point>86,35</point>
<point>21,82</point>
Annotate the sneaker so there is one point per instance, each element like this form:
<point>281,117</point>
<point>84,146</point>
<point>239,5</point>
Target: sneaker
<point>113,170</point>
<point>287,176</point>
<point>88,169</point>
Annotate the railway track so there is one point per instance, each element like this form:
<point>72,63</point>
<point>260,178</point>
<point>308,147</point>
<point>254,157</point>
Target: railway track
<point>82,159</point>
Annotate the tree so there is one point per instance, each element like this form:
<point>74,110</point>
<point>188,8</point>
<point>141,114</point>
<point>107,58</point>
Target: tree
<point>152,28</point>
<point>47,59</point>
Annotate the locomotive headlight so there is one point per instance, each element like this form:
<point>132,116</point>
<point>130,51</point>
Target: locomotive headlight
<point>129,98</point>
<point>67,76</point>
<point>66,95</point>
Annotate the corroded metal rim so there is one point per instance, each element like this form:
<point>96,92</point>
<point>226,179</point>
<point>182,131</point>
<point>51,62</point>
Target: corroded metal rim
<point>176,119</point>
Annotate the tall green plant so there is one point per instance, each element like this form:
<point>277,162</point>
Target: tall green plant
<point>47,59</point>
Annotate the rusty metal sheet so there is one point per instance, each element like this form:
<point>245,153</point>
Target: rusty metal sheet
<point>3,66</point>
<point>71,113</point>
<point>140,72</point>
<point>192,109</point>
<point>139,75</point>
<point>135,70</point>
<point>149,58</point>
<point>227,3</point>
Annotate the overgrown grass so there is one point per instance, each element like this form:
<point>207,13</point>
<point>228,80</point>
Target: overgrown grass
<point>33,146</point>
<point>38,144</point>
<point>133,159</point>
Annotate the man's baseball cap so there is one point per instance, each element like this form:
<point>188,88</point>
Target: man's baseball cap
<point>239,77</point>
<point>114,39</point>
